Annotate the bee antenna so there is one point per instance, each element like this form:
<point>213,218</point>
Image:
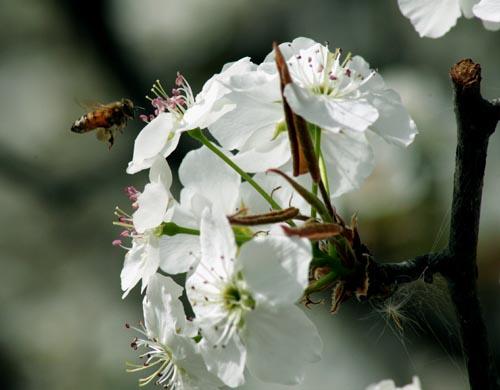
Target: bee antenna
<point>139,107</point>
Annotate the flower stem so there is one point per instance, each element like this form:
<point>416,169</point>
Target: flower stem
<point>172,229</point>
<point>323,172</point>
<point>199,136</point>
<point>317,152</point>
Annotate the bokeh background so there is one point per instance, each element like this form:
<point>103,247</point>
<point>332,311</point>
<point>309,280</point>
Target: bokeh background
<point>62,317</point>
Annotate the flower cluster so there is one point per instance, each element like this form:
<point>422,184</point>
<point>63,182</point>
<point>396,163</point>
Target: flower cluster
<point>254,230</point>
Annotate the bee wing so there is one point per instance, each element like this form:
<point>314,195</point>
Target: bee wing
<point>90,105</point>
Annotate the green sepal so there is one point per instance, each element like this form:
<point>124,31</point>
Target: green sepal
<point>171,229</point>
<point>242,234</point>
<point>280,128</point>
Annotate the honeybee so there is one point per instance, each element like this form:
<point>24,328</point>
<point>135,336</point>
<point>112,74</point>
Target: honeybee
<point>106,119</point>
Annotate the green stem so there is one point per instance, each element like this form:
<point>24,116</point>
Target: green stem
<point>198,135</point>
<point>172,229</point>
<point>323,172</point>
<point>337,271</point>
<point>322,283</point>
<point>317,152</point>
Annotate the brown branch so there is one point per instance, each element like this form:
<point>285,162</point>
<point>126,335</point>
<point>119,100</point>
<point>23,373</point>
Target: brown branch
<point>476,121</point>
<point>420,267</point>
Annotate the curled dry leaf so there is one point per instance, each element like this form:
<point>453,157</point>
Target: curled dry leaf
<point>304,158</point>
<point>315,231</point>
<point>262,219</point>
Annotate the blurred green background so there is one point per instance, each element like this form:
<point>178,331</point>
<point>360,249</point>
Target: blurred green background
<point>62,317</point>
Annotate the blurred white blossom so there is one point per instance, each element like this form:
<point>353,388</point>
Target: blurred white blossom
<point>389,384</point>
<point>489,12</point>
<point>434,18</point>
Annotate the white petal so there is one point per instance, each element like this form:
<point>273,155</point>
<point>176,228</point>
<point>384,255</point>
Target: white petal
<point>227,363</point>
<point>205,173</point>
<point>394,123</point>
<point>415,385</point>
<point>182,216</point>
<point>328,112</point>
<point>131,272</point>
<point>289,49</point>
<point>375,82</point>
<point>161,287</point>
<point>270,154</point>
<point>488,10</point>
<point>150,263</point>
<point>249,115</point>
<point>348,158</point>
<point>466,7</point>
<point>204,297</point>
<point>208,109</point>
<point>492,26</point>
<point>153,203</point>
<point>215,269</point>
<point>235,67</point>
<point>195,202</point>
<point>194,372</point>
<point>171,145</point>
<point>286,335</point>
<point>257,84</point>
<point>276,269</point>
<point>141,262</point>
<point>431,18</point>
<point>179,253</point>
<point>160,172</point>
<point>152,141</point>
<point>218,247</point>
<point>163,311</point>
<point>389,384</point>
<point>191,208</point>
<point>209,103</point>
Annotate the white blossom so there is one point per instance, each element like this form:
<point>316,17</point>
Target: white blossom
<point>389,384</point>
<point>180,112</point>
<point>244,305</point>
<point>489,12</point>
<point>343,97</point>
<point>207,182</point>
<point>172,358</point>
<point>158,138</point>
<point>154,206</point>
<point>434,18</point>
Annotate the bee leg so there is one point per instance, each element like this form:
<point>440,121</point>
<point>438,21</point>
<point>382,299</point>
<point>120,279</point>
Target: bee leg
<point>111,140</point>
<point>121,127</point>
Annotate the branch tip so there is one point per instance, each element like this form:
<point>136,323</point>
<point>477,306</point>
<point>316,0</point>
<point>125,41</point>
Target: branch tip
<point>466,73</point>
